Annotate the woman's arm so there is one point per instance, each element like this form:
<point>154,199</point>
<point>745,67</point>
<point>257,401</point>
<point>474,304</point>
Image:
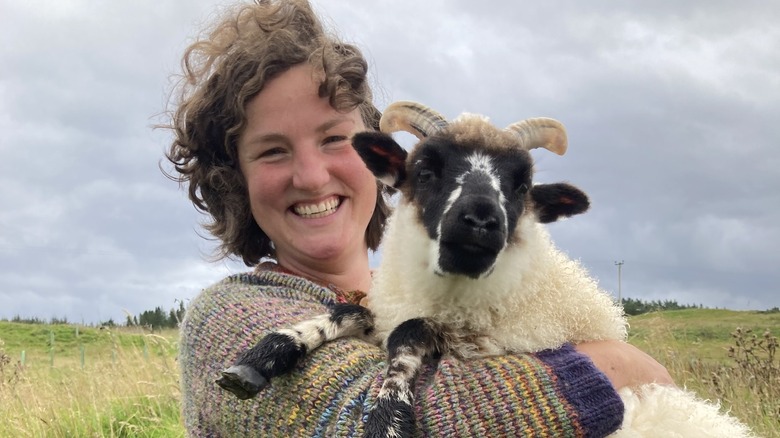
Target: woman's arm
<point>624,364</point>
<point>558,393</point>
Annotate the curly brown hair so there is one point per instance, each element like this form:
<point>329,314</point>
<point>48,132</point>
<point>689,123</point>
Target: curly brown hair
<point>222,72</point>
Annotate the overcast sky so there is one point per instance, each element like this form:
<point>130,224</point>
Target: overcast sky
<point>672,110</point>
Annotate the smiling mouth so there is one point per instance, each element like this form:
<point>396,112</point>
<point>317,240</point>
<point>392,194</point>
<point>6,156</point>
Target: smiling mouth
<point>322,209</point>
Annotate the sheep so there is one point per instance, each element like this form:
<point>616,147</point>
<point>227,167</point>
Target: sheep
<point>469,270</point>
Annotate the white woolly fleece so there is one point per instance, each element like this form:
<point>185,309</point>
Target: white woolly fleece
<point>536,298</point>
<point>668,411</point>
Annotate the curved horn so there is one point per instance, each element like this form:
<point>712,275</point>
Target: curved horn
<point>540,132</point>
<point>411,117</point>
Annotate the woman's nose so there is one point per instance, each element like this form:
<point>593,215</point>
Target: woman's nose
<point>310,171</point>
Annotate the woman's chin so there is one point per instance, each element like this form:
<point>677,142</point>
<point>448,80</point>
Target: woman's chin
<point>324,249</point>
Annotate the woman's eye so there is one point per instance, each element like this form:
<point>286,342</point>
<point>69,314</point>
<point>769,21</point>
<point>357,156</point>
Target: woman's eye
<point>271,153</point>
<point>334,139</point>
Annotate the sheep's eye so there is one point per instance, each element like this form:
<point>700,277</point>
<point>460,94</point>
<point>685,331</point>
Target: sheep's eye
<point>425,175</point>
<point>428,167</point>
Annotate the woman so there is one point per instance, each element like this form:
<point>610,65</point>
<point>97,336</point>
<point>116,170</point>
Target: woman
<point>262,137</point>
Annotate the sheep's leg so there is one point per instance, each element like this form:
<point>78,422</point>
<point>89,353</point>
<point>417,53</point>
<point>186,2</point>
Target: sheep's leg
<point>278,352</point>
<point>409,346</point>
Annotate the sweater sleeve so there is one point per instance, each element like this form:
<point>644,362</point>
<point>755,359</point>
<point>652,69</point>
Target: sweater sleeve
<point>553,393</point>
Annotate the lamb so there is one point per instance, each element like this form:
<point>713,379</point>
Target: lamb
<point>469,270</point>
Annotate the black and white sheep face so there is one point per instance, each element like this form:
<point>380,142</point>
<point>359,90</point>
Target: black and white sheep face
<point>468,201</point>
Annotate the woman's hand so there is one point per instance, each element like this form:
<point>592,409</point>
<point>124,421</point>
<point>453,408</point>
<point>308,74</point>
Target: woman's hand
<point>624,364</point>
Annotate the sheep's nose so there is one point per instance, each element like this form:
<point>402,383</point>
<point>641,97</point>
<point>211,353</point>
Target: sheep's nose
<point>487,222</point>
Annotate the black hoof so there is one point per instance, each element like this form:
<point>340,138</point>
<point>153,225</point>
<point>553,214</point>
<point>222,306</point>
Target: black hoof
<point>243,381</point>
<point>391,418</point>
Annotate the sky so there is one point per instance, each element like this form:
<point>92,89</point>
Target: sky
<point>672,110</point>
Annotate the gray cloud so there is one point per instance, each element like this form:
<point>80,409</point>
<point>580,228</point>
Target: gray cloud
<point>670,109</point>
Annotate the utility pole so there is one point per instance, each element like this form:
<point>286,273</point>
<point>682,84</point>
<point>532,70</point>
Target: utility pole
<point>620,291</point>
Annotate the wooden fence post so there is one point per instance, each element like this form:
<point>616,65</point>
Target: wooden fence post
<point>51,348</point>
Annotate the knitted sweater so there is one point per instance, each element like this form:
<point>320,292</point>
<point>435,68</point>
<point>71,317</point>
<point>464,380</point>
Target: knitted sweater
<point>553,393</point>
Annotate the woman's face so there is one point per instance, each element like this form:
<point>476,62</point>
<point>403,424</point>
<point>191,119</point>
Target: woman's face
<point>308,189</point>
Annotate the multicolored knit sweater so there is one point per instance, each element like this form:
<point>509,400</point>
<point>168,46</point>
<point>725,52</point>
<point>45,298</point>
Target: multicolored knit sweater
<point>551,394</point>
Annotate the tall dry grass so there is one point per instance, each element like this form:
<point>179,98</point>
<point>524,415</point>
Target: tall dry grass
<point>744,379</point>
<point>132,393</point>
<point>132,388</point>
<point>750,385</point>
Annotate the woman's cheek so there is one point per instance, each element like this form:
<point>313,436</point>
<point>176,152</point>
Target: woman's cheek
<point>265,185</point>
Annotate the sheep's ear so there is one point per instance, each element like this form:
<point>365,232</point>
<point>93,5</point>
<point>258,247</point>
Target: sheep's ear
<point>553,201</point>
<point>385,158</point>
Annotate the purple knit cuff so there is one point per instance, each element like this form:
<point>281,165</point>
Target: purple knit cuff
<point>588,390</point>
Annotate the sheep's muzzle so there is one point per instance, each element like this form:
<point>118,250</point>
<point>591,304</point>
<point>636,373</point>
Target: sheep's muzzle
<point>472,234</point>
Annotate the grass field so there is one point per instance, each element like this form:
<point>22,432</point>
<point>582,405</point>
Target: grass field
<point>94,383</point>
<point>721,355</point>
<point>124,383</point>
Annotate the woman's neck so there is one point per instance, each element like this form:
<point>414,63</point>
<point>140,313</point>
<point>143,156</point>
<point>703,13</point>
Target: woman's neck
<point>352,275</point>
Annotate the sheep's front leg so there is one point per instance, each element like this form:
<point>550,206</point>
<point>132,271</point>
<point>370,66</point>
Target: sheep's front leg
<point>409,346</point>
<point>278,352</point>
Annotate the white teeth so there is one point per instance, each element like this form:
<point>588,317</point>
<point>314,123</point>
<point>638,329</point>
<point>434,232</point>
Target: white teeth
<point>317,210</point>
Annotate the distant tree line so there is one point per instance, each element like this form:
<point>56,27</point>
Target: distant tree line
<point>634,306</point>
<point>157,318</point>
<point>35,320</point>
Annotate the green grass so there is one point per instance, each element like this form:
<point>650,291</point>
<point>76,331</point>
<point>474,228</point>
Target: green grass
<point>705,332</point>
<point>36,339</point>
<point>88,382</point>
<point>128,384</point>
<point>721,355</point>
